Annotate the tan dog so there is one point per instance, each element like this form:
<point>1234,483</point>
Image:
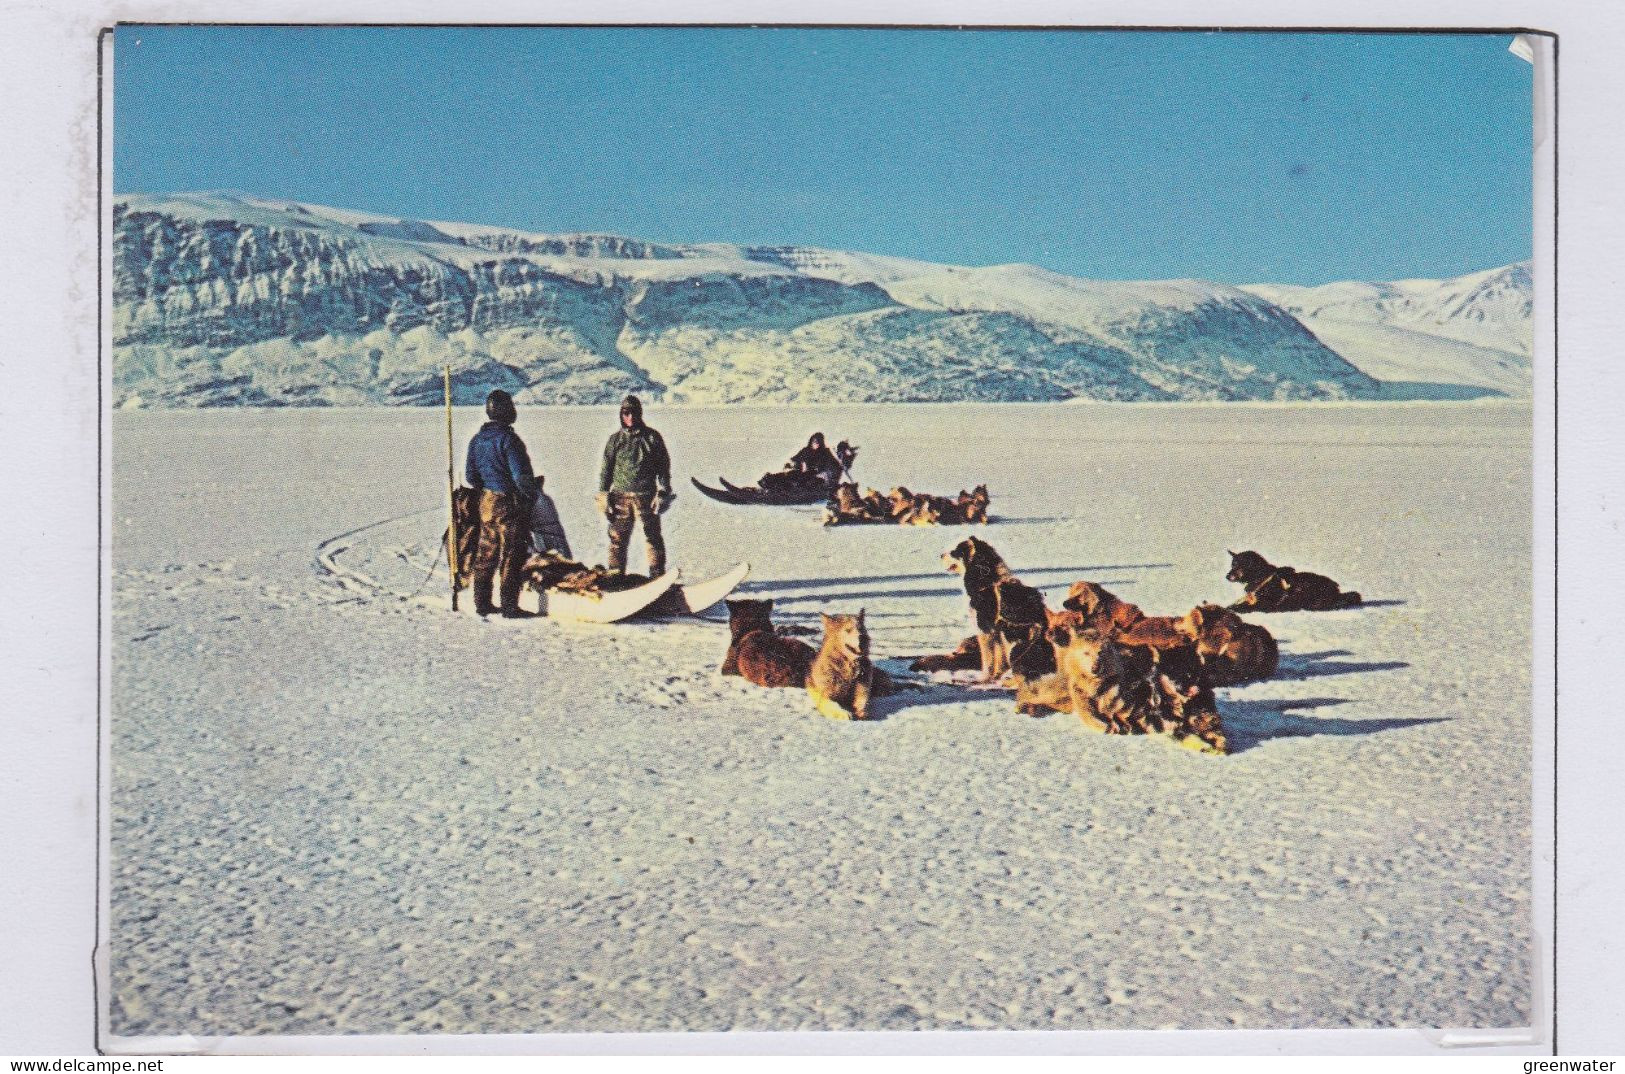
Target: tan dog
<point>846,506</point>
<point>1232,650</point>
<point>1127,689</point>
<point>757,653</point>
<point>972,506</point>
<point>841,678</point>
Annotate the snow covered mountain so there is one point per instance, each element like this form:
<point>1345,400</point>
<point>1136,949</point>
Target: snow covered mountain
<point>223,299</point>
<point>1469,331</point>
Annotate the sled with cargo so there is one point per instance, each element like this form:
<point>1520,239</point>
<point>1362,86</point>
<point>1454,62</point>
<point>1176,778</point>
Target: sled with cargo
<point>664,597</point>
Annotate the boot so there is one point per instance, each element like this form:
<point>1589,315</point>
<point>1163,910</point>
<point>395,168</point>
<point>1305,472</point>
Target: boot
<point>511,581</point>
<point>483,581</point>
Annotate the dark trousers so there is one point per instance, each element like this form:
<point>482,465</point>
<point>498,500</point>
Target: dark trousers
<point>625,508</point>
<point>504,544</point>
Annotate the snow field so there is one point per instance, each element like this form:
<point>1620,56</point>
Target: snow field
<point>338,810</point>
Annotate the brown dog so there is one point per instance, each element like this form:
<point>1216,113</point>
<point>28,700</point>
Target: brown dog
<point>967,656</point>
<point>1010,616</point>
<point>1232,650</point>
<point>1120,620</point>
<point>757,653</point>
<point>1101,610</point>
<point>1283,589</point>
<point>842,678</point>
<point>972,506</point>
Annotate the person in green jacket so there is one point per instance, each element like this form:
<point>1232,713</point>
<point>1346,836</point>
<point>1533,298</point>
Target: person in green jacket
<point>634,484</point>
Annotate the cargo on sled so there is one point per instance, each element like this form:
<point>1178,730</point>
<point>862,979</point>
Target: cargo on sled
<point>558,587</point>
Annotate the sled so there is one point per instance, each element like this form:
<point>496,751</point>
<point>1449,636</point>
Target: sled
<point>597,607</point>
<point>696,598</point>
<point>738,496</point>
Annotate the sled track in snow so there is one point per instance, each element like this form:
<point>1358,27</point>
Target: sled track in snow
<point>329,553</point>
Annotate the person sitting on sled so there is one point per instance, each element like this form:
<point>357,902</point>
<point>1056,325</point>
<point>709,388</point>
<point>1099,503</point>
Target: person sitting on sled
<point>814,464</point>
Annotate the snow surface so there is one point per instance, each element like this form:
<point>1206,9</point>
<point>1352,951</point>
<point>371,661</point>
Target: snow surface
<point>336,810</point>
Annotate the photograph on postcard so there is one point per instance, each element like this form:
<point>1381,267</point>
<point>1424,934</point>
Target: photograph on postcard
<point>534,450</point>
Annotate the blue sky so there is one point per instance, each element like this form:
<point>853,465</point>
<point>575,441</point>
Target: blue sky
<point>1292,158</point>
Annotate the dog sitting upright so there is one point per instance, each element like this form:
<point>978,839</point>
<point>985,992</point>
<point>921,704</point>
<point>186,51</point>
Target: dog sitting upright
<point>1010,616</point>
<point>1282,589</point>
<point>842,678</point>
<point>757,653</point>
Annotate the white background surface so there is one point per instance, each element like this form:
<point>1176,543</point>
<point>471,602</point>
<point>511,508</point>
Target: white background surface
<point>49,419</point>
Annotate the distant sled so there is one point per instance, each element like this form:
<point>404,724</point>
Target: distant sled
<point>734,494</point>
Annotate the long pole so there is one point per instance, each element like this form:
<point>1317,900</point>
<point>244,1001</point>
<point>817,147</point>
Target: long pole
<point>451,496</point>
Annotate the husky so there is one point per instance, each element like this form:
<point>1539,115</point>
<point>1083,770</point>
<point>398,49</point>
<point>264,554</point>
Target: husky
<point>1232,650</point>
<point>841,677</point>
<point>1283,589</point>
<point>757,653</point>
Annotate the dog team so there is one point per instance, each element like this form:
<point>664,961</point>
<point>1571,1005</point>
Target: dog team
<point>901,507</point>
<point>1099,657</point>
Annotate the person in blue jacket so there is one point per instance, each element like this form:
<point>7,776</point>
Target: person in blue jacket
<point>499,466</point>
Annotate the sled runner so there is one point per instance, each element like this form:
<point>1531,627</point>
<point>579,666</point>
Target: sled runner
<point>696,598</point>
<point>609,607</point>
<point>734,494</point>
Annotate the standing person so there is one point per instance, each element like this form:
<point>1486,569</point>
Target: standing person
<point>499,466</point>
<point>634,484</point>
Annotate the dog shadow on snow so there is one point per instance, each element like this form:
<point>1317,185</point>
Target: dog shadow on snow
<point>1251,723</point>
<point>1296,667</point>
<point>780,585</point>
<point>834,588</point>
<point>915,692</point>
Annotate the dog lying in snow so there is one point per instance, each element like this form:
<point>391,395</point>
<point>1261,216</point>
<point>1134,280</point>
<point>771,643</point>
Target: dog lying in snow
<point>904,508</point>
<point>1129,689</point>
<point>757,653</point>
<point>1282,589</point>
<point>1104,612</point>
<point>1232,650</point>
<point>1100,609</point>
<point>1010,616</point>
<point>967,656</point>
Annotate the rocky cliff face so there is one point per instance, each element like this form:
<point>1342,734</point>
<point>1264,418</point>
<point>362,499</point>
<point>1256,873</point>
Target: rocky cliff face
<point>229,300</point>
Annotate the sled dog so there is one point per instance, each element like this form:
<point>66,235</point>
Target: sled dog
<point>1009,615</point>
<point>1282,589</point>
<point>1232,650</point>
<point>757,653</point>
<point>841,677</point>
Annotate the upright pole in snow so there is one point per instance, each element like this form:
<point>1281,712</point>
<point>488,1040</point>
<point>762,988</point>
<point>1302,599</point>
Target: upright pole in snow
<point>451,496</point>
